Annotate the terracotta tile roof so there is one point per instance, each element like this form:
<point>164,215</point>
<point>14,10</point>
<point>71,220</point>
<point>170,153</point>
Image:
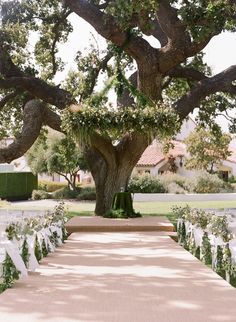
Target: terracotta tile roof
<point>151,156</point>
<point>154,155</point>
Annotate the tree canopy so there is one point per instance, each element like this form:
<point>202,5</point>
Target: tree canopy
<point>57,154</point>
<point>207,149</point>
<point>172,74</point>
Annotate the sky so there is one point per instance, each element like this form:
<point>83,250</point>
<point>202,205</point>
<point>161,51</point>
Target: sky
<point>220,54</point>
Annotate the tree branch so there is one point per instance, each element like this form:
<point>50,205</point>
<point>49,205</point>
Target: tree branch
<point>104,146</point>
<point>149,27</point>
<point>126,99</point>
<point>171,25</point>
<point>7,98</point>
<point>106,26</point>
<point>35,115</point>
<point>56,31</point>
<point>94,75</point>
<point>179,45</point>
<point>52,119</point>
<point>40,89</point>
<point>221,82</point>
<point>189,73</point>
<point>15,78</point>
<point>32,123</point>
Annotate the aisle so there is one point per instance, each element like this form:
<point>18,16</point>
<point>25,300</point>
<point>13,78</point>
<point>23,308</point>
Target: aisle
<point>120,277</point>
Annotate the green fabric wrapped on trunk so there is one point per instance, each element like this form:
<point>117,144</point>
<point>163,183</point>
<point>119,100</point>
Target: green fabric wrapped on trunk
<point>123,201</point>
<point>122,206</point>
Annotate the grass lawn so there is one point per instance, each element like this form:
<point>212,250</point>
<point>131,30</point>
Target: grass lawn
<point>153,208</point>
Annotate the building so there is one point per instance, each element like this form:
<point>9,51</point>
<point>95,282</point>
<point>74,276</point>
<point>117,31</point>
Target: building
<point>154,161</point>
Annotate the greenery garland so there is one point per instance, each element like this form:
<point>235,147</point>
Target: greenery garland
<point>219,267</point>
<point>29,226</point>
<point>9,273</point>
<point>25,253</point>
<point>192,245</point>
<point>227,262</point>
<point>45,250</point>
<point>216,225</point>
<point>155,121</point>
<point>37,250</point>
<point>13,231</point>
<point>206,255</point>
<point>64,234</point>
<point>182,234</point>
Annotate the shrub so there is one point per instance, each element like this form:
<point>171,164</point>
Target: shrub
<point>65,193</point>
<point>173,187</point>
<point>232,179</point>
<point>174,183</point>
<point>40,194</point>
<point>51,186</point>
<point>205,182</point>
<point>87,193</point>
<point>146,184</point>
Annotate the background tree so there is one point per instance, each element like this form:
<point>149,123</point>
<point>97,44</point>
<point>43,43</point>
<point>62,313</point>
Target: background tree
<point>57,154</point>
<point>207,149</point>
<point>172,74</point>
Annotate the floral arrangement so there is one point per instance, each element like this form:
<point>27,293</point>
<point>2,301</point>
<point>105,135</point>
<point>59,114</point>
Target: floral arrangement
<point>156,121</point>
<point>32,238</point>
<point>211,227</point>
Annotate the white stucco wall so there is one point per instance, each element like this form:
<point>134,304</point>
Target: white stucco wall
<point>230,165</point>
<point>187,127</point>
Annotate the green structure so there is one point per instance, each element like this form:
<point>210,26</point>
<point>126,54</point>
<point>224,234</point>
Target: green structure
<point>17,185</point>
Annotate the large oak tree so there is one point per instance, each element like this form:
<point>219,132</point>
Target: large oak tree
<point>174,72</point>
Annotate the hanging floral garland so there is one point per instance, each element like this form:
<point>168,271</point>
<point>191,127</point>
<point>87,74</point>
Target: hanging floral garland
<point>155,121</point>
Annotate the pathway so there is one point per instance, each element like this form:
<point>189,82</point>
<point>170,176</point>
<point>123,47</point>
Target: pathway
<point>120,277</point>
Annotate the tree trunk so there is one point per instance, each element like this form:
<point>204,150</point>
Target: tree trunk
<point>108,183</point>
<point>111,166</point>
<point>112,171</point>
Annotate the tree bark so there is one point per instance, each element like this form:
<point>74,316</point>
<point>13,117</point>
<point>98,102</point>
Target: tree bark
<point>112,171</point>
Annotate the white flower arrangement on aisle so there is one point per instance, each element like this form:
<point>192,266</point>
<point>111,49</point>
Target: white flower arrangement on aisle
<point>26,240</point>
<point>208,237</point>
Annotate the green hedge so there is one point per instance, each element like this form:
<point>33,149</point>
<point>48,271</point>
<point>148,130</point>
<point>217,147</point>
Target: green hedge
<point>17,185</point>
